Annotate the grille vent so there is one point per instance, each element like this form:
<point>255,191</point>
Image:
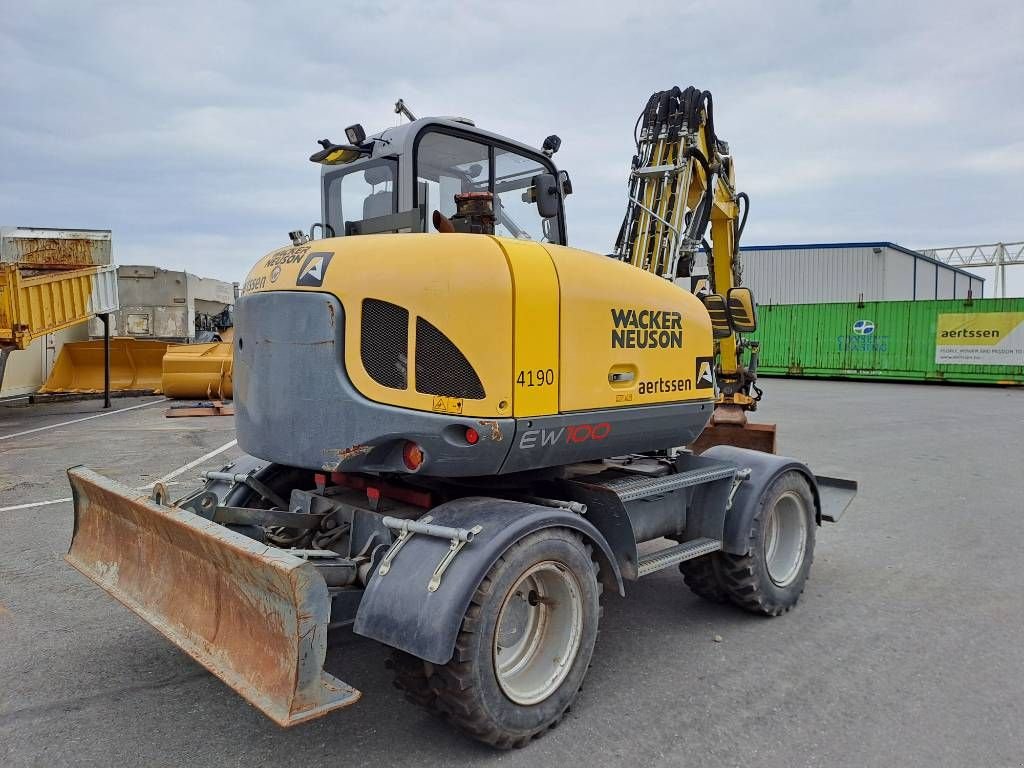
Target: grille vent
<point>384,343</point>
<point>441,369</point>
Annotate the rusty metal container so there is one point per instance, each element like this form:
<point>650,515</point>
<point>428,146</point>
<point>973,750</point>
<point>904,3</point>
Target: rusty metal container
<point>48,248</point>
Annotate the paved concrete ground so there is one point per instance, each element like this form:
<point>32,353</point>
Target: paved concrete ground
<point>907,648</point>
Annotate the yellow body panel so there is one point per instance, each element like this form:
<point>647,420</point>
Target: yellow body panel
<point>459,283</point>
<point>627,337</point>
<point>548,329</point>
<point>535,302</point>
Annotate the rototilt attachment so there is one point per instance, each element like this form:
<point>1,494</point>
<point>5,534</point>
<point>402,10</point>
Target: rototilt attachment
<point>253,615</point>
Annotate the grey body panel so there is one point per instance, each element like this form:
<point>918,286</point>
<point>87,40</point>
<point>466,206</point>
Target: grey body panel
<point>295,405</point>
<point>398,610</point>
<point>764,469</point>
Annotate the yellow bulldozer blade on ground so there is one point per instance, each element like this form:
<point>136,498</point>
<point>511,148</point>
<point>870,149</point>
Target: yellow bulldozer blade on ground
<point>135,365</point>
<point>198,370</point>
<point>255,616</point>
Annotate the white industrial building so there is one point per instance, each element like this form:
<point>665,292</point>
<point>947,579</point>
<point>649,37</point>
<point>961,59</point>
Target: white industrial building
<point>841,272</point>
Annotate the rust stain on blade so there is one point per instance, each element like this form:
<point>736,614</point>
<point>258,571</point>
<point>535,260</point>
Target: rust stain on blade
<point>253,615</point>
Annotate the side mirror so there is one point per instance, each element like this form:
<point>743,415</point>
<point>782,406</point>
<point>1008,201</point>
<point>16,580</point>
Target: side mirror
<point>742,311</point>
<point>545,189</point>
<point>716,306</point>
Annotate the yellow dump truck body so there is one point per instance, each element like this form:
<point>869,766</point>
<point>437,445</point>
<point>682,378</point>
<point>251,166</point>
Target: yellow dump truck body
<point>36,302</point>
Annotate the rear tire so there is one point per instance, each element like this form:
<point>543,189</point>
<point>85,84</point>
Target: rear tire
<point>701,576</point>
<point>770,578</point>
<point>508,681</point>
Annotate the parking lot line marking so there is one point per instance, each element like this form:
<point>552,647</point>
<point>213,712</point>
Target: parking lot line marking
<point>169,476</point>
<point>84,418</point>
<point>185,468</point>
<point>34,504</point>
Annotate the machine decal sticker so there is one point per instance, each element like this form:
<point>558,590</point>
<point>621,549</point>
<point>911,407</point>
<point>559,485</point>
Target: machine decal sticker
<point>646,329</point>
<point>570,435</point>
<point>660,386</point>
<point>864,327</point>
<point>705,373</point>
<point>314,268</point>
<point>253,284</point>
<point>444,404</point>
<point>275,273</point>
<point>979,338</point>
<point>289,255</point>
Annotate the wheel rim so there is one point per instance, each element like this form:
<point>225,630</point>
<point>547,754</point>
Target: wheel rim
<point>537,635</point>
<point>785,538</point>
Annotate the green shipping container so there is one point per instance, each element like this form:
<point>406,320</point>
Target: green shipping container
<point>980,341</point>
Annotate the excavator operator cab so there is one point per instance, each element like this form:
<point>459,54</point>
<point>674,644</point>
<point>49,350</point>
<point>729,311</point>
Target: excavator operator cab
<point>407,179</point>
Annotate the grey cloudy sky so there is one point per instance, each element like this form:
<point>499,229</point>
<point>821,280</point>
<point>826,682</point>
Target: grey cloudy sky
<point>185,126</point>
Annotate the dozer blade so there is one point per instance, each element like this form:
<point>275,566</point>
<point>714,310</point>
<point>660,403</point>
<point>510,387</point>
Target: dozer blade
<point>253,615</point>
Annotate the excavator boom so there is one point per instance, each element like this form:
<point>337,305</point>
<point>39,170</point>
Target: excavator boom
<point>682,183</point>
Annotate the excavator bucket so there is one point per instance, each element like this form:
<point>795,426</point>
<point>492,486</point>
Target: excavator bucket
<point>198,371</point>
<point>135,365</point>
<point>253,615</point>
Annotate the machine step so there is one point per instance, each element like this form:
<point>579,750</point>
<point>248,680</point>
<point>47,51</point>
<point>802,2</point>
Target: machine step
<point>666,558</point>
<point>632,488</point>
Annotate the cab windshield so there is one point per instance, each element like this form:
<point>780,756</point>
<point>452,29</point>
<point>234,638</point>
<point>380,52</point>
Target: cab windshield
<point>448,165</point>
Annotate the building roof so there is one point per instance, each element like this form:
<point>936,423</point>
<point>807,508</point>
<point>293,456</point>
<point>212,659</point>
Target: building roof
<point>879,244</point>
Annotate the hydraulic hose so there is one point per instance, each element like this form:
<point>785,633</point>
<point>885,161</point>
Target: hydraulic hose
<point>743,221</point>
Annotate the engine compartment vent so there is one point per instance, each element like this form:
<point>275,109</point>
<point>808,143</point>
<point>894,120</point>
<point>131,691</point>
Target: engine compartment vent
<point>384,343</point>
<point>441,369</point>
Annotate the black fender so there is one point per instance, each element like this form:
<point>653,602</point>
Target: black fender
<point>764,468</point>
<point>398,610</point>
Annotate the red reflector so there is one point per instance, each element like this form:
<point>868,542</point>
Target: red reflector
<point>472,436</point>
<point>412,455</point>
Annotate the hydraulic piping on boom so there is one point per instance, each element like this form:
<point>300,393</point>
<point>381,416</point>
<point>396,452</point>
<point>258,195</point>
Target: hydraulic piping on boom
<point>683,182</point>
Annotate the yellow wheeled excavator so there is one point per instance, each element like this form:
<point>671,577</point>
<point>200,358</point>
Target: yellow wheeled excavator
<point>459,432</point>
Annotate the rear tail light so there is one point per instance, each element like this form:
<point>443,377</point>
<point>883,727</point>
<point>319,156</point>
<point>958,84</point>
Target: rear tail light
<point>412,455</point>
<point>472,436</point>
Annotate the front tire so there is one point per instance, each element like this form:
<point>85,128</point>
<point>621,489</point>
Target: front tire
<point>524,645</point>
<point>770,578</point>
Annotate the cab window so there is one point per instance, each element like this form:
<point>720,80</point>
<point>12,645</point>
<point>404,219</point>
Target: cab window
<point>448,165</point>
<point>516,214</point>
<point>365,192</point>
